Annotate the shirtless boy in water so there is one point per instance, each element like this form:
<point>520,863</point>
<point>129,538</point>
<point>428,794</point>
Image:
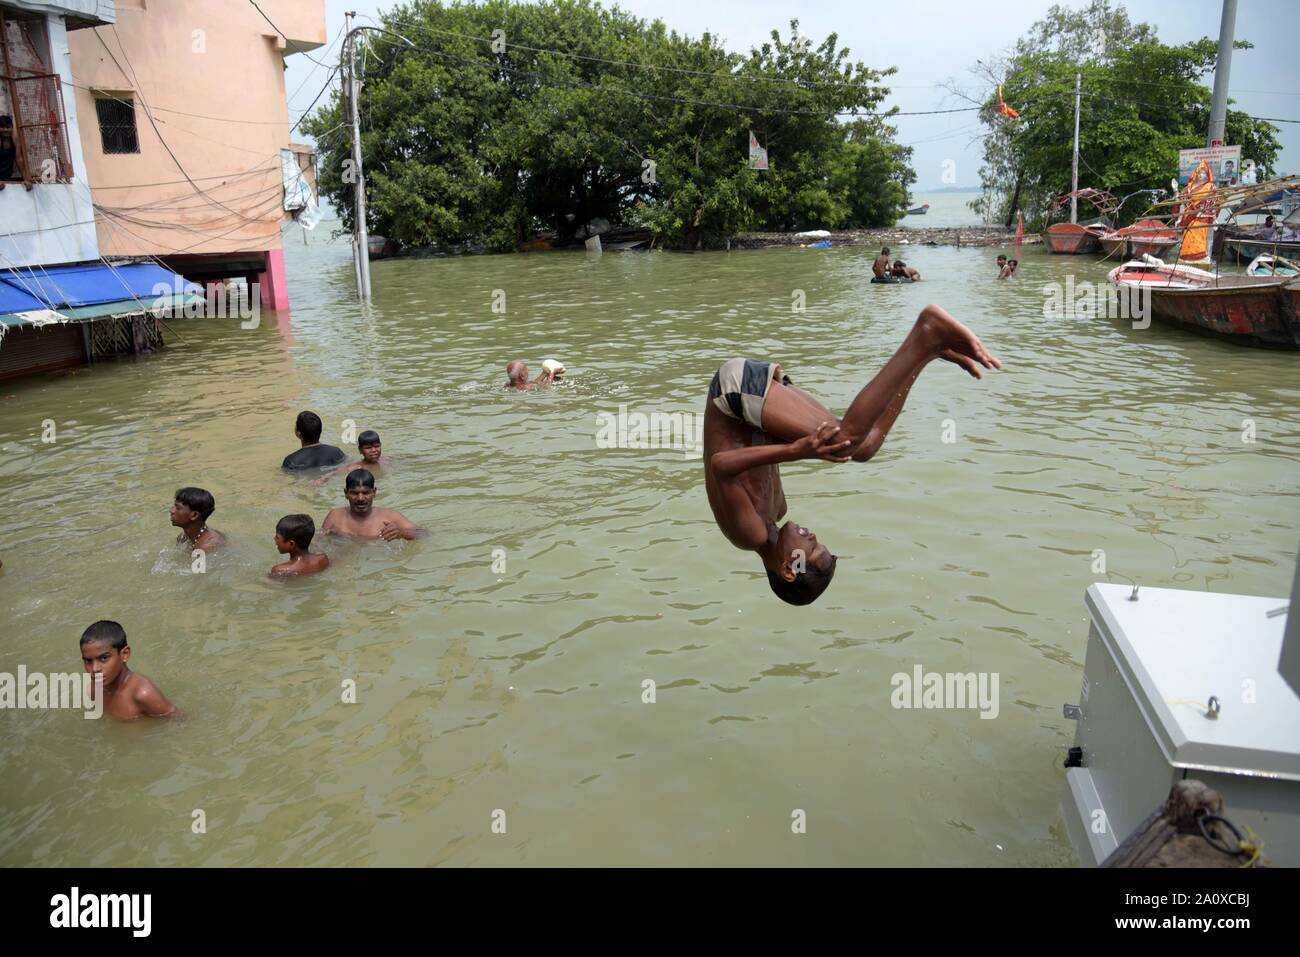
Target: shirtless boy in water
<point>127,695</point>
<point>190,511</point>
<point>361,519</point>
<point>754,420</point>
<point>372,457</point>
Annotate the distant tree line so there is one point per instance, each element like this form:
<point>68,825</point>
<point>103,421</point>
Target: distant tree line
<point>479,136</point>
<point>1142,102</point>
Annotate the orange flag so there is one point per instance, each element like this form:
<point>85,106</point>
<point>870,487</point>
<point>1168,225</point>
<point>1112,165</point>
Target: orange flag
<point>1005,110</point>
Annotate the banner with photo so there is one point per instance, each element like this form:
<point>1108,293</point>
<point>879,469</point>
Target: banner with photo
<point>1224,163</point>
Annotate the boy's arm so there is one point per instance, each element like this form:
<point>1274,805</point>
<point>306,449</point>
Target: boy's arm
<point>826,443</point>
<point>150,700</point>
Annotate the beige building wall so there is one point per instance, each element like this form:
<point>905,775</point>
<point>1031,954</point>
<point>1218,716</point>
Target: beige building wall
<point>207,179</point>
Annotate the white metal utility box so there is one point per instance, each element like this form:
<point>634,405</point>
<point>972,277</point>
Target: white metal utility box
<point>1154,662</point>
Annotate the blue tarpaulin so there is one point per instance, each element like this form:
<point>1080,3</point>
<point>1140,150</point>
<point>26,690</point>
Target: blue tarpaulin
<point>55,287</point>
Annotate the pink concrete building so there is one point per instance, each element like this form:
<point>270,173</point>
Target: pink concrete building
<point>186,133</point>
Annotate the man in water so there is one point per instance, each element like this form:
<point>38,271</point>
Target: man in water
<point>191,508</point>
<point>517,377</point>
<point>372,456</point>
<point>880,267</point>
<point>313,454</point>
<point>127,695</point>
<point>361,519</point>
<point>1009,270</point>
<point>902,270</point>
<point>754,421</point>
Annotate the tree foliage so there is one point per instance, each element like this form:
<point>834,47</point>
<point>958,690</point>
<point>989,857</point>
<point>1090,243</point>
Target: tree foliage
<point>467,142</point>
<point>1142,102</point>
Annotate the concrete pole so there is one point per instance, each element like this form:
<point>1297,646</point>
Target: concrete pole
<point>360,238</point>
<point>1074,175</point>
<point>1219,105</point>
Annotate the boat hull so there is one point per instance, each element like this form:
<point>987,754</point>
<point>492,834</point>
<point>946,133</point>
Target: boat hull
<point>1116,246</point>
<point>1071,239</point>
<point>1245,250</point>
<point>1259,311</point>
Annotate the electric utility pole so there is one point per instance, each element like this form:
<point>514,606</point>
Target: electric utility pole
<point>360,237</point>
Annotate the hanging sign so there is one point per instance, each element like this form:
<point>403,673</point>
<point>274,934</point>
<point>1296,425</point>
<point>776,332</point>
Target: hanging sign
<point>757,154</point>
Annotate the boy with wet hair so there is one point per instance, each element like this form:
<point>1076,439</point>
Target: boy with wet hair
<point>1009,270</point>
<point>293,535</point>
<point>190,510</point>
<point>372,456</point>
<point>127,695</point>
<point>1002,264</point>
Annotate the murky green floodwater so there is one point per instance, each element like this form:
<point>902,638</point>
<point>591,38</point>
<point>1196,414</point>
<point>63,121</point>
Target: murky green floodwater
<point>521,690</point>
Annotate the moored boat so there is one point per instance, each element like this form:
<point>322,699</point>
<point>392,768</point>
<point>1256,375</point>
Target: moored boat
<point>1252,310</point>
<point>1149,272</point>
<point>1146,237</point>
<point>1265,265</point>
<point>919,210</point>
<point>1246,248</point>
<point>1074,239</point>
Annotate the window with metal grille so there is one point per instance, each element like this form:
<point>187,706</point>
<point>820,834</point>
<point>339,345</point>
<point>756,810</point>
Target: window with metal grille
<point>117,123</point>
<point>33,133</point>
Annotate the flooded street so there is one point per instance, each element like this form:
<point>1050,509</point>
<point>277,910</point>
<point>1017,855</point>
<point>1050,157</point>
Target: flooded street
<point>500,665</point>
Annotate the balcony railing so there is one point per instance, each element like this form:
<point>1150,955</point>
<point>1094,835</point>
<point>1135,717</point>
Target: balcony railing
<point>40,128</point>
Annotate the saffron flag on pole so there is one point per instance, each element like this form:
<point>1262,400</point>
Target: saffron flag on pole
<point>1020,230</point>
<point>1005,110</point>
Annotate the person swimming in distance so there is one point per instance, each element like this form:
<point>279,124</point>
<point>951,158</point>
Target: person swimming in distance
<point>880,266</point>
<point>1009,270</point>
<point>517,377</point>
<point>372,456</point>
<point>191,508</point>
<point>361,519</point>
<point>1002,264</point>
<point>293,535</point>
<point>127,695</point>
<point>754,420</point>
<point>902,270</point>
<point>314,454</point>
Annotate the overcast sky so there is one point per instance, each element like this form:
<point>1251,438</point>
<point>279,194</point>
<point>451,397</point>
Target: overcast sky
<point>938,41</point>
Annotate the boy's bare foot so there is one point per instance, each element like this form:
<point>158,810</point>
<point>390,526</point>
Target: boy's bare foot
<point>953,342</point>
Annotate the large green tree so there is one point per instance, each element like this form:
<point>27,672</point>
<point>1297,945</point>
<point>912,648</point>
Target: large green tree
<point>1142,102</point>
<point>578,111</point>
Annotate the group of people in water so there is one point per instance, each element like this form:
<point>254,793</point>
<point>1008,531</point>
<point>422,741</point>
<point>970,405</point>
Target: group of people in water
<point>899,271</point>
<point>104,647</point>
<point>294,533</point>
<point>755,419</point>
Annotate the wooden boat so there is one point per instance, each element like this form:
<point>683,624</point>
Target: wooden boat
<point>919,210</point>
<point>1265,265</point>
<point>1074,239</point>
<point>1252,310</point>
<point>1146,237</point>
<point>1149,272</point>
<point>1246,248</point>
